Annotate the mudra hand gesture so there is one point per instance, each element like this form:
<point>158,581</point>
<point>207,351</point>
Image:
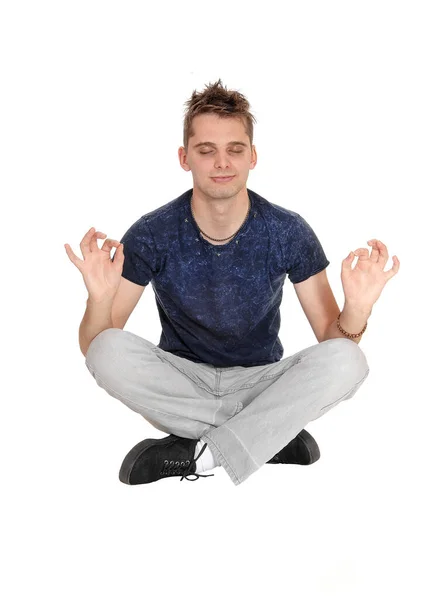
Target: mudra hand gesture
<point>364,284</point>
<point>101,274</point>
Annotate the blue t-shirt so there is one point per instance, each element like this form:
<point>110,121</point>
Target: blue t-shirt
<point>220,304</point>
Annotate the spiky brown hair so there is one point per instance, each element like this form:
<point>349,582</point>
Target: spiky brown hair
<point>218,100</point>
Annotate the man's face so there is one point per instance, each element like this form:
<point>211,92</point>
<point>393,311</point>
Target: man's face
<point>222,155</point>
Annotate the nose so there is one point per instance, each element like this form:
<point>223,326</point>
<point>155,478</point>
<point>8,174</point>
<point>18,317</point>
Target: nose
<point>222,161</point>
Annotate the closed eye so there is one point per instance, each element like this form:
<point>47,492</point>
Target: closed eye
<point>236,152</point>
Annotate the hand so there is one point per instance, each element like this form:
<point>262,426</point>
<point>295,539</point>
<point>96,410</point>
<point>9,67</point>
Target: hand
<point>364,284</point>
<point>101,275</point>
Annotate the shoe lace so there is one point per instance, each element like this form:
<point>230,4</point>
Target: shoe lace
<point>183,467</point>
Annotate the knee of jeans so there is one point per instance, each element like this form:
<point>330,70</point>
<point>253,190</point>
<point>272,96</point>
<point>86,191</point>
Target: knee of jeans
<point>350,358</point>
<point>104,344</point>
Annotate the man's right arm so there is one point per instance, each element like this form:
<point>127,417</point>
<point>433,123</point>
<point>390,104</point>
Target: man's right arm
<point>98,316</point>
<point>109,313</point>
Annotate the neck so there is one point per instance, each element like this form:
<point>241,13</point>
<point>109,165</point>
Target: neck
<point>220,217</point>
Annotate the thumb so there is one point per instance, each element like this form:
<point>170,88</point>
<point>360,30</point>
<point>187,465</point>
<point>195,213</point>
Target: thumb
<point>118,256</point>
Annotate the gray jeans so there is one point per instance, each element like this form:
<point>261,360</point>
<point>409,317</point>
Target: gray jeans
<point>245,414</point>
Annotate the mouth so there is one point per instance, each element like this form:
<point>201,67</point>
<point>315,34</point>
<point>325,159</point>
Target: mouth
<point>222,179</point>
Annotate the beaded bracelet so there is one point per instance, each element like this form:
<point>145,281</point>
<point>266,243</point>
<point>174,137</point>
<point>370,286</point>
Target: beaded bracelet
<point>350,335</point>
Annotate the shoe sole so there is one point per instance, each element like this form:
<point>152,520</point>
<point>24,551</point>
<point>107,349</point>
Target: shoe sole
<point>131,458</point>
<point>311,444</point>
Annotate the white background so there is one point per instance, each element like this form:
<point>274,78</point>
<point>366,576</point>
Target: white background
<point>346,97</point>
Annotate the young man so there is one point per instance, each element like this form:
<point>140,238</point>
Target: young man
<point>217,257</point>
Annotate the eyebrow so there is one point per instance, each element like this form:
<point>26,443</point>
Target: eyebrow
<point>214,145</point>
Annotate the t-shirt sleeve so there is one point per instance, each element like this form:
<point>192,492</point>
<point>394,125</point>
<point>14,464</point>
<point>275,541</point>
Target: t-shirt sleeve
<point>140,256</point>
<point>305,255</point>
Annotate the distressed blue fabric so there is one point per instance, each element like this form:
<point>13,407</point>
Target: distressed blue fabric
<point>220,304</point>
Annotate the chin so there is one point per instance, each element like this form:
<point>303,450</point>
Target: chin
<point>226,189</point>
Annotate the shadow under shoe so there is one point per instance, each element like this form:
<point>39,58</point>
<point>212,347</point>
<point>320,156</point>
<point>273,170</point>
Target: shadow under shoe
<point>154,459</point>
<point>302,450</point>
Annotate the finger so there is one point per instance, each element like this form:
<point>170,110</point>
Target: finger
<point>375,250</point>
<point>394,269</point>
<point>94,241</point>
<point>85,242</point>
<point>119,255</point>
<point>109,244</point>
<point>383,254</point>
<point>362,254</point>
<point>346,263</point>
<point>76,261</point>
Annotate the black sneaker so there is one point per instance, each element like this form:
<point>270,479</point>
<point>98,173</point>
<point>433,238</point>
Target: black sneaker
<point>302,450</point>
<point>154,459</point>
